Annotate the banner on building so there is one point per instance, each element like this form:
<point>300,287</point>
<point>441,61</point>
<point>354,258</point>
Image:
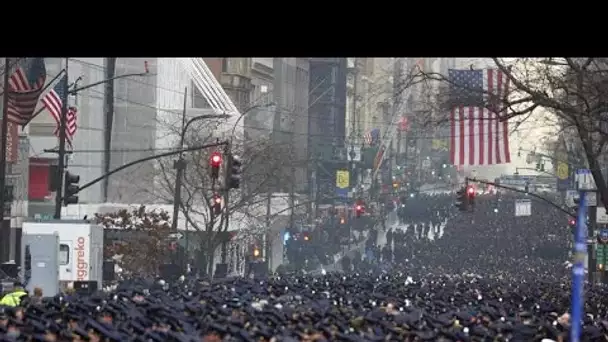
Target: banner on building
<point>342,183</point>
<point>12,143</point>
<point>563,176</point>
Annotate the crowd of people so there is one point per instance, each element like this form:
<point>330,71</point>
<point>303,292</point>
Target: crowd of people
<point>489,276</point>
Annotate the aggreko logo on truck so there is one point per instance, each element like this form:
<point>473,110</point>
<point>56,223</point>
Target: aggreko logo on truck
<point>82,266</point>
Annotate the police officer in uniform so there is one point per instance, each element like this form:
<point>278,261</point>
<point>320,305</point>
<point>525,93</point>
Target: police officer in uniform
<point>15,297</point>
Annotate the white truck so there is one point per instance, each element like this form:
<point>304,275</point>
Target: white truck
<point>79,248</point>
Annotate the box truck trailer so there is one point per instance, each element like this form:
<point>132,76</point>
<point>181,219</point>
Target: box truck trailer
<point>78,245</point>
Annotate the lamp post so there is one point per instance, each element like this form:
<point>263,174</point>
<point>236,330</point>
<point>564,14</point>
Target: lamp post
<point>180,163</point>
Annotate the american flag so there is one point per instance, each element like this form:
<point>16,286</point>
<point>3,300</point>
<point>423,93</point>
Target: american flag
<point>25,86</point>
<point>403,123</point>
<point>477,135</point>
<point>71,125</point>
<point>372,137</point>
<point>53,102</point>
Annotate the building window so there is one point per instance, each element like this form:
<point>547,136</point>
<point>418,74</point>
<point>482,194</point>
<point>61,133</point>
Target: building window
<point>224,64</point>
<point>64,254</point>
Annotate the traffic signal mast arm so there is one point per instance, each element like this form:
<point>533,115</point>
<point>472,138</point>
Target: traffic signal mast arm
<point>522,192</point>
<point>156,156</point>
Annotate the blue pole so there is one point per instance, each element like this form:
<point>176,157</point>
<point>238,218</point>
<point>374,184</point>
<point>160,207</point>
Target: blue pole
<point>578,268</point>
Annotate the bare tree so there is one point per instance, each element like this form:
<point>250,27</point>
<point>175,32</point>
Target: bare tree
<point>139,239</point>
<point>573,90</point>
<point>261,161</point>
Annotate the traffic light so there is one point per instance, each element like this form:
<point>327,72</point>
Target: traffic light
<point>233,176</point>
<point>359,209</point>
<point>342,220</point>
<point>70,188</point>
<point>462,199</point>
<point>217,204</point>
<point>215,162</point>
<point>306,237</point>
<point>256,252</point>
<point>572,225</point>
<point>471,195</point>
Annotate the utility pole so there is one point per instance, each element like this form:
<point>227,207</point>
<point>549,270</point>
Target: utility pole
<point>292,175</point>
<point>396,102</point>
<point>354,72</point>
<point>354,133</point>
<point>277,65</point>
<point>179,165</point>
<point>61,153</point>
<point>108,105</point>
<point>592,210</point>
<point>4,134</point>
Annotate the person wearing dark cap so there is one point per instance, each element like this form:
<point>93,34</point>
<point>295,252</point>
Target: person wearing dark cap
<point>36,299</point>
<point>15,297</point>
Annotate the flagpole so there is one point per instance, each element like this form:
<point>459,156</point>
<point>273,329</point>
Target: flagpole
<point>4,135</point>
<point>61,152</point>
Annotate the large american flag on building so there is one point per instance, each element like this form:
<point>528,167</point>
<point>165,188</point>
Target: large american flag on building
<point>26,84</point>
<point>477,136</point>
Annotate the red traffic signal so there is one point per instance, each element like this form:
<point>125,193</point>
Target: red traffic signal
<point>217,204</point>
<point>572,222</point>
<point>359,209</point>
<point>471,191</point>
<point>216,159</point>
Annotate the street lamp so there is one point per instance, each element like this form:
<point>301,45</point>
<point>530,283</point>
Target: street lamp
<point>180,164</point>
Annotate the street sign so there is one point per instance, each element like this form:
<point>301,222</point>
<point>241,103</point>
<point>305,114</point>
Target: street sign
<point>43,217</point>
<point>523,207</point>
<point>572,197</point>
<point>584,180</point>
<point>602,216</point>
<point>176,236</point>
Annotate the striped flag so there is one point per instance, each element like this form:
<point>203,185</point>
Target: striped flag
<point>53,102</point>
<point>477,135</point>
<point>71,125</point>
<point>25,86</point>
<point>403,123</point>
<point>372,137</point>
